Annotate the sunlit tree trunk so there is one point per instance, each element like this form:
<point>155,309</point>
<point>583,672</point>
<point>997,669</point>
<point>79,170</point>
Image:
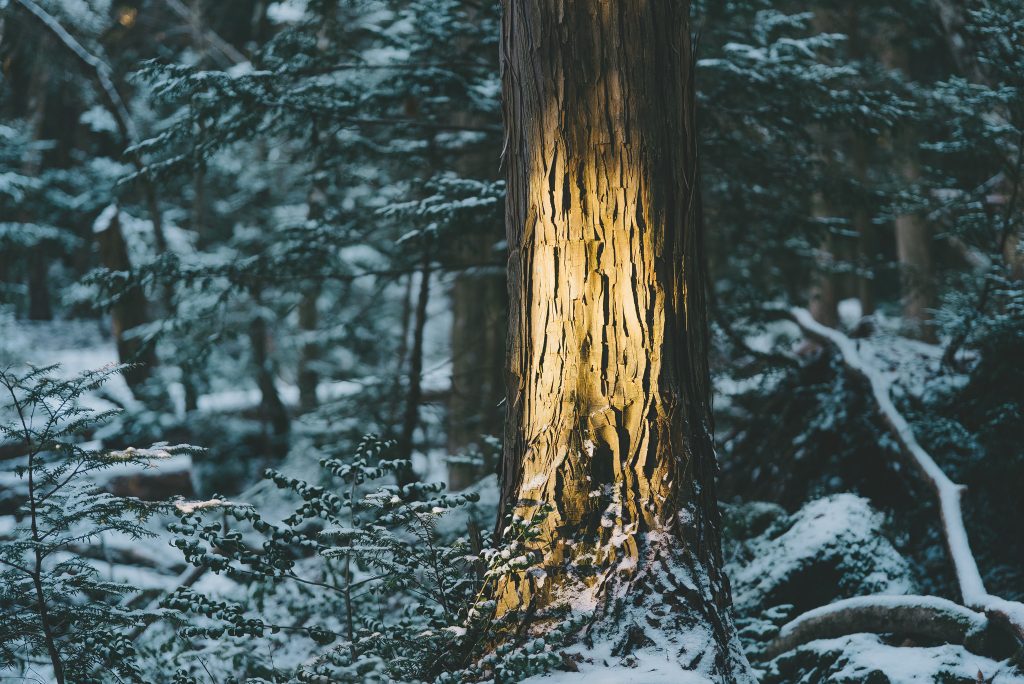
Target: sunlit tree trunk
<point>609,416</point>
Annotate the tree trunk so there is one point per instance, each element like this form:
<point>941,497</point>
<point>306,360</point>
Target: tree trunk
<point>309,379</point>
<point>824,295</point>
<point>867,247</point>
<point>479,311</point>
<point>414,395</point>
<point>39,308</point>
<point>609,419</point>
<point>130,309</point>
<point>913,246</point>
<point>913,239</point>
<point>273,413</point>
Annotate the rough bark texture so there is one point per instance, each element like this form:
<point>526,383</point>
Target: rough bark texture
<point>609,402</point>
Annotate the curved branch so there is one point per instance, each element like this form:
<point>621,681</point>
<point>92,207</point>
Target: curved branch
<point>927,617</point>
<point>1009,614</point>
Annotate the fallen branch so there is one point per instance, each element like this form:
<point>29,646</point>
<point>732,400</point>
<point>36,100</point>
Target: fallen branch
<point>924,617</point>
<point>1009,614</point>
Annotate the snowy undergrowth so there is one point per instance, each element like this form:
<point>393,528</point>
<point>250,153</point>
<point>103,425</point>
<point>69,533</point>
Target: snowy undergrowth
<point>868,659</point>
<point>832,548</point>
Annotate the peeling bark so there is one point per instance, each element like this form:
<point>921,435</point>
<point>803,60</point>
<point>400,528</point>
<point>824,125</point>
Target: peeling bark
<point>609,402</point>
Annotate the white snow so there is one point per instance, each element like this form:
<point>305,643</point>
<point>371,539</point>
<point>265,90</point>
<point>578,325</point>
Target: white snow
<point>864,654</point>
<point>948,492</point>
<point>646,666</point>
<point>841,529</point>
<point>193,506</point>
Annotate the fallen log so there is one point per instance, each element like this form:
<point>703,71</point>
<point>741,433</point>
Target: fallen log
<point>927,618</point>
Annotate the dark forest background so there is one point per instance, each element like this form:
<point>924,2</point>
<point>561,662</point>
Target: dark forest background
<point>287,217</point>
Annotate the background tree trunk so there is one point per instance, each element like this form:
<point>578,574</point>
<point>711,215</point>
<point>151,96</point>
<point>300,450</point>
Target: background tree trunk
<point>414,394</point>
<point>609,417</point>
<point>913,246</point>
<point>824,295</point>
<point>130,309</point>
<point>479,310</point>
<point>272,411</point>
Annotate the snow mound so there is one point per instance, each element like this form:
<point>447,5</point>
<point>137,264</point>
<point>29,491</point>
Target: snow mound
<point>832,548</point>
<point>860,658</point>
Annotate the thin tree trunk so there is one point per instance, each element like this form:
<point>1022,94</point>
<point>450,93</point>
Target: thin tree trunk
<point>309,379</point>
<point>867,240</point>
<point>309,319</point>
<point>824,296</point>
<point>130,309</point>
<point>913,239</point>
<point>39,308</point>
<point>913,246</point>
<point>414,395</point>
<point>609,419</point>
<point>479,312</point>
<point>272,410</point>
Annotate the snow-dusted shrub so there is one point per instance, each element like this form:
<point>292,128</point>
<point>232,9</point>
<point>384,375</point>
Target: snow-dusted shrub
<point>357,584</point>
<point>59,619</point>
<point>868,659</point>
<point>832,548</point>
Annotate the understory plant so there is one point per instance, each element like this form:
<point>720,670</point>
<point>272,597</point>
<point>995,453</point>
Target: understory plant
<point>363,581</point>
<point>59,619</point>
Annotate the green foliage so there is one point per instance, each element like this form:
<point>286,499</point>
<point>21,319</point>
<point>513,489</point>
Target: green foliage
<point>57,613</point>
<point>364,579</point>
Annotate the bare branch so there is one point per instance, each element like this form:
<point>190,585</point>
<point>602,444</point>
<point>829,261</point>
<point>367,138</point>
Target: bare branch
<point>231,55</point>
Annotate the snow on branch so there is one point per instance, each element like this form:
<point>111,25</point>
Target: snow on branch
<point>928,617</point>
<point>1010,614</point>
